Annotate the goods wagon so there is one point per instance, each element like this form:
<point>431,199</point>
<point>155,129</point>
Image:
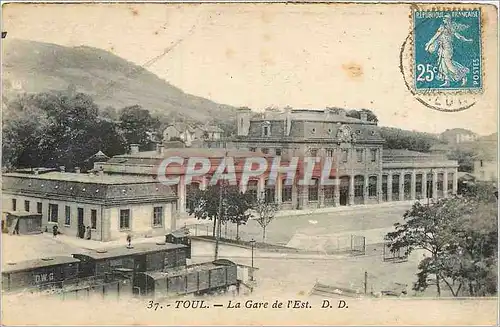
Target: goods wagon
<point>39,273</point>
<point>140,258</point>
<point>193,279</point>
<point>180,236</point>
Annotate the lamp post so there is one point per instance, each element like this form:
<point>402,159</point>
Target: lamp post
<point>252,243</point>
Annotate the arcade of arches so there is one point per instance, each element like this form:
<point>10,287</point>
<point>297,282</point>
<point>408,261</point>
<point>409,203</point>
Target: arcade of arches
<point>390,185</point>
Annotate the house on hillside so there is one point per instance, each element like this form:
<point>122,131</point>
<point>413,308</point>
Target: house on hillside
<point>486,160</point>
<point>189,134</point>
<point>182,131</point>
<point>209,132</point>
<point>458,135</point>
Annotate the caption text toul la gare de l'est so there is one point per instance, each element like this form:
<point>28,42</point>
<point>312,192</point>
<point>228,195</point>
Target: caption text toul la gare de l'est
<point>250,304</point>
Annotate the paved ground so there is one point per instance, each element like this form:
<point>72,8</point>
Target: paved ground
<point>282,229</point>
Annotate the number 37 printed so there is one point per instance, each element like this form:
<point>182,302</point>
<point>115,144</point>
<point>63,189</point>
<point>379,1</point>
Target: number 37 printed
<point>426,73</point>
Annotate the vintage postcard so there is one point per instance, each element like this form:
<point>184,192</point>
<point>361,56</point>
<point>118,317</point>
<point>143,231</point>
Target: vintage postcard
<point>249,163</point>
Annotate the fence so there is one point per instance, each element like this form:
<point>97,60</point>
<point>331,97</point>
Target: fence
<point>228,231</point>
<point>399,255</point>
<point>329,244</point>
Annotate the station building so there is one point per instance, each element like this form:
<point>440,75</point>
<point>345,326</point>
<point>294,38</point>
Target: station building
<point>113,206</point>
<point>365,172</point>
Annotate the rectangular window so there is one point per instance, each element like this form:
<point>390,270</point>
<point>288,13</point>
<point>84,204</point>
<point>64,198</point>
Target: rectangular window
<point>39,207</point>
<point>53,212</point>
<point>26,206</point>
<point>329,152</point>
<point>481,163</point>
<point>286,192</point>
<point>264,150</point>
<point>372,186</point>
<point>93,219</point>
<point>313,152</point>
<point>253,149</point>
<point>14,205</point>
<point>373,155</point>
<point>157,216</point>
<point>359,155</point>
<point>125,219</point>
<point>67,215</point>
<point>278,151</point>
<point>345,155</point>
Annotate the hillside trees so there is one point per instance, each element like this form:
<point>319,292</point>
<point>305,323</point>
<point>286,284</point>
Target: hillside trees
<point>56,128</point>
<point>396,138</point>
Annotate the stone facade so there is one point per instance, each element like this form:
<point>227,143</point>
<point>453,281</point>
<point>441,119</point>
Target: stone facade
<point>112,206</point>
<point>364,172</point>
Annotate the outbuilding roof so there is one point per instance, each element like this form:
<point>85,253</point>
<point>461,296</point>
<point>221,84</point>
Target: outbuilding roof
<point>139,248</point>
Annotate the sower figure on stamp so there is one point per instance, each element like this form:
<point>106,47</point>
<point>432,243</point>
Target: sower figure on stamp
<point>442,41</point>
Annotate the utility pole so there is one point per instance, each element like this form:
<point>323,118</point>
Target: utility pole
<point>218,227</point>
<point>366,282</point>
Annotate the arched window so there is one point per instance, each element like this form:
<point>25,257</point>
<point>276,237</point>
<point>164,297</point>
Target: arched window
<point>384,187</point>
<point>450,182</point>
<point>286,192</point>
<point>418,186</point>
<point>395,187</point>
<point>252,188</point>
<point>269,193</point>
<point>440,186</point>
<point>407,186</point>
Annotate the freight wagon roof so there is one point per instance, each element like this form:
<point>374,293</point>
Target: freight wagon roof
<point>141,248</point>
<point>11,267</point>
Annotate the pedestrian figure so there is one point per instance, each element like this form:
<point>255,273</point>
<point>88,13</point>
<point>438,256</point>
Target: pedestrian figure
<point>55,230</point>
<point>89,231</point>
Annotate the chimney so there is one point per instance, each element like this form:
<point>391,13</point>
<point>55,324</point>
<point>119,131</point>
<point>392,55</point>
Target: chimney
<point>364,116</point>
<point>134,148</point>
<point>160,148</point>
<point>62,169</point>
<point>77,170</point>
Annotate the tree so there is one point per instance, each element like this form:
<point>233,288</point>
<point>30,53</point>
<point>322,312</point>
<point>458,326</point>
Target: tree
<point>266,212</point>
<point>357,114</point>
<point>460,234</point>
<point>237,207</point>
<point>137,124</point>
<point>55,128</point>
<point>230,206</point>
<point>465,158</point>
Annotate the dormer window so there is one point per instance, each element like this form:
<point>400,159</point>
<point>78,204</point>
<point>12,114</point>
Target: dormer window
<point>266,129</point>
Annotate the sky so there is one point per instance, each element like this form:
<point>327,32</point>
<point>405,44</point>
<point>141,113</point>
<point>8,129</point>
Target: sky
<point>260,55</point>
